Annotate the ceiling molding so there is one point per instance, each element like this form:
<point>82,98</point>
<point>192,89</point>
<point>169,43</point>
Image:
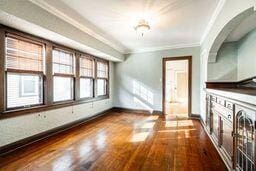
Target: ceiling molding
<point>179,46</point>
<point>78,25</point>
<point>213,19</point>
<point>23,25</point>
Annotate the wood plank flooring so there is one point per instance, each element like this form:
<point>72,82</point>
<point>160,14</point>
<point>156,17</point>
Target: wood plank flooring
<point>121,141</point>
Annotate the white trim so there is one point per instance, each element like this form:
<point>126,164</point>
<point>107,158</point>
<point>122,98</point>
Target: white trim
<point>178,46</point>
<point>203,52</point>
<point>212,57</point>
<point>116,45</point>
<point>213,19</point>
<point>78,25</point>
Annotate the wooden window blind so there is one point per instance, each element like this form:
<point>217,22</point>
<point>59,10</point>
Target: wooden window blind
<point>63,62</point>
<point>23,55</point>
<point>102,69</point>
<point>86,67</point>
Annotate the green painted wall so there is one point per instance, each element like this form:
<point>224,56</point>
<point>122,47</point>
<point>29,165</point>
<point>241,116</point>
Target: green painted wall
<point>144,70</point>
<point>225,68</point>
<point>246,55</point>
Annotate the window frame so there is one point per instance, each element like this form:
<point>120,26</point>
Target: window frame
<point>72,76</point>
<point>25,106</point>
<point>86,56</point>
<point>47,77</point>
<point>103,78</point>
<point>21,71</point>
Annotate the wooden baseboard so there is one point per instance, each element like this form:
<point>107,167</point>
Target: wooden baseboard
<point>195,116</point>
<point>129,110</point>
<point>32,139</point>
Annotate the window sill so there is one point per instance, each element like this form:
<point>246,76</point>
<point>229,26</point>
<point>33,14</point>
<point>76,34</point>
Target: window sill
<point>35,109</point>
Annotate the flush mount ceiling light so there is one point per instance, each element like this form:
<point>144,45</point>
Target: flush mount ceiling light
<point>142,27</point>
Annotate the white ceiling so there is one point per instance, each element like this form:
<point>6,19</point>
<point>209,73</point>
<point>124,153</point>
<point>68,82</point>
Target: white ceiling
<point>174,23</point>
<point>242,29</point>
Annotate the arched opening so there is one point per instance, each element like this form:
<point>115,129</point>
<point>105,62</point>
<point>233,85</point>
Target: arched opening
<point>232,55</point>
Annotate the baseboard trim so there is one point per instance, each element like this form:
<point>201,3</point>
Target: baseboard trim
<point>43,135</point>
<point>140,111</point>
<point>195,116</point>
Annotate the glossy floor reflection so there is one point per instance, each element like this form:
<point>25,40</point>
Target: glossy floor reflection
<point>121,141</point>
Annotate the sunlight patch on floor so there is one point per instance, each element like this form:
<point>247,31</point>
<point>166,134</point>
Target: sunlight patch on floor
<point>177,130</point>
<point>153,118</point>
<point>148,125</point>
<point>138,137</point>
<point>169,124</point>
<point>178,123</point>
<point>185,123</point>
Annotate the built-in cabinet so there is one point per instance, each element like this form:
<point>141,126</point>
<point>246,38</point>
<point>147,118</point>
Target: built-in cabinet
<point>245,138</point>
<point>231,126</point>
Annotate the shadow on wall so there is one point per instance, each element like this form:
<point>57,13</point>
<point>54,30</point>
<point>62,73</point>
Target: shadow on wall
<point>141,95</point>
<point>229,75</point>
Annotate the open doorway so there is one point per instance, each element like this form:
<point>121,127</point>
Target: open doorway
<point>177,86</point>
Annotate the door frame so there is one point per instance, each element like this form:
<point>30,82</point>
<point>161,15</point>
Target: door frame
<point>189,59</point>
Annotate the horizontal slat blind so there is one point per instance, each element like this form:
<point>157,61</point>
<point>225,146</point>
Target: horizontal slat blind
<point>63,62</point>
<point>86,67</point>
<point>102,69</point>
<point>23,55</point>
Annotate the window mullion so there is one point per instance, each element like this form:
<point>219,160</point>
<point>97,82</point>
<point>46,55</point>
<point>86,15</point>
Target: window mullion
<point>107,86</point>
<point>95,79</point>
<point>48,84</point>
<point>77,77</point>
<point>2,71</point>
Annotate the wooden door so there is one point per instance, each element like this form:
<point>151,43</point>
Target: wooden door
<point>182,85</point>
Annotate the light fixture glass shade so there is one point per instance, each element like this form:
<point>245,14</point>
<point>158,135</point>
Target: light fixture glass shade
<point>142,27</point>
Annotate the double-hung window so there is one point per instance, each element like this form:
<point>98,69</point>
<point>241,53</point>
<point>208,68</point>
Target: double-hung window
<point>63,75</point>
<point>86,76</point>
<point>102,78</point>
<point>24,69</point>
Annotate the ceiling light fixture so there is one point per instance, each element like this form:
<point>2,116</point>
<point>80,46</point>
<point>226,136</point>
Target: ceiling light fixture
<point>142,27</point>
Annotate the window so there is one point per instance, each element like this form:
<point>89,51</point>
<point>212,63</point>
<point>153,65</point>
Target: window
<point>102,78</point>
<point>86,77</point>
<point>63,75</point>
<point>29,85</point>
<point>101,87</point>
<point>62,88</point>
<point>86,87</point>
<point>33,80</point>
<point>24,72</point>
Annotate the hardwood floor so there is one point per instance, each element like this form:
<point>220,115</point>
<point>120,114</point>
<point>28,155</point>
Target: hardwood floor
<point>121,141</point>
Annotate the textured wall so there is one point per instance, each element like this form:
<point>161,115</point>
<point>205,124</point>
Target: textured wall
<point>16,128</point>
<point>144,71</point>
<point>247,56</point>
<point>225,68</point>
